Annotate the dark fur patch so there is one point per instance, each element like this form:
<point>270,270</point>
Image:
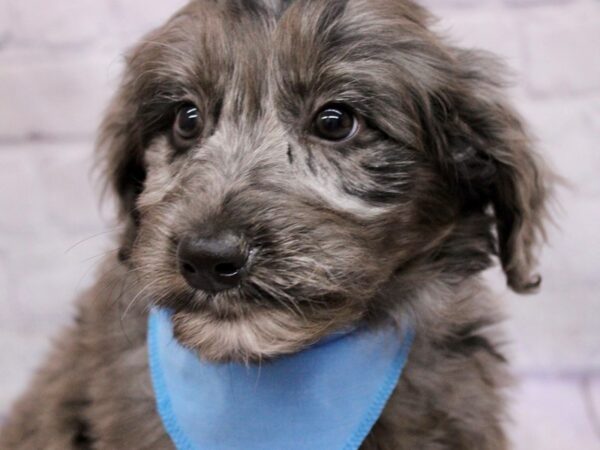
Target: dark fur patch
<point>310,160</point>
<point>470,339</point>
<point>329,16</point>
<point>82,440</point>
<point>241,8</point>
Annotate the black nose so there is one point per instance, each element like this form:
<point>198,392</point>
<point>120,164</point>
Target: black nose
<point>213,263</point>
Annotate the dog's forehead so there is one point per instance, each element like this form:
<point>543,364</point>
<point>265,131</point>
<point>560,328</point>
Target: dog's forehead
<point>229,45</point>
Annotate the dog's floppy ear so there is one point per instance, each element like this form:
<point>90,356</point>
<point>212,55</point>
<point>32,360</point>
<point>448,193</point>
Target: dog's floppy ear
<point>120,148</point>
<point>494,164</point>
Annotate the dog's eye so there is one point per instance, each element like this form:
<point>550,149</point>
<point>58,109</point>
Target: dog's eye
<point>335,123</point>
<point>187,124</point>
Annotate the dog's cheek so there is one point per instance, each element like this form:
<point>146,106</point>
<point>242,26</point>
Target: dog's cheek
<point>324,175</point>
<point>353,265</point>
<point>153,252</point>
<point>161,175</point>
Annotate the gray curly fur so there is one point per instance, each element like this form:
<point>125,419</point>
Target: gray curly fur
<point>395,224</point>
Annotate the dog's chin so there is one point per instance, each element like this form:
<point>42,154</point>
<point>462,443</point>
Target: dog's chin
<point>255,337</point>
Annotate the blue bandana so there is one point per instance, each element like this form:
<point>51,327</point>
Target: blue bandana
<point>327,397</point>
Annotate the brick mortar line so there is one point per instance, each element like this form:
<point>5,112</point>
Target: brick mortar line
<point>47,139</point>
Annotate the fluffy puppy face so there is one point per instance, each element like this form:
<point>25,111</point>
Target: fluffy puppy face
<point>349,151</point>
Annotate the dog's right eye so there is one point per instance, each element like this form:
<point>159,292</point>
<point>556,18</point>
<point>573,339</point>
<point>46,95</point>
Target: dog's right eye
<point>188,124</point>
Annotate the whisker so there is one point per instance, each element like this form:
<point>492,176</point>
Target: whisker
<point>93,236</point>
<point>137,296</point>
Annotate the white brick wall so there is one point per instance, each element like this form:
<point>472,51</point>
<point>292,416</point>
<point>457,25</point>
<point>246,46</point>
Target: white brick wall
<point>59,64</point>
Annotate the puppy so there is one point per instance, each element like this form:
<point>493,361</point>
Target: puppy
<point>285,170</point>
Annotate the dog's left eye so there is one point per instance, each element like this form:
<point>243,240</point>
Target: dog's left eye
<point>188,123</point>
<point>335,122</point>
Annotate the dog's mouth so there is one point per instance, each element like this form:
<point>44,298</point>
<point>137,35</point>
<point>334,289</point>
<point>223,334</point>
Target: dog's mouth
<point>254,320</point>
